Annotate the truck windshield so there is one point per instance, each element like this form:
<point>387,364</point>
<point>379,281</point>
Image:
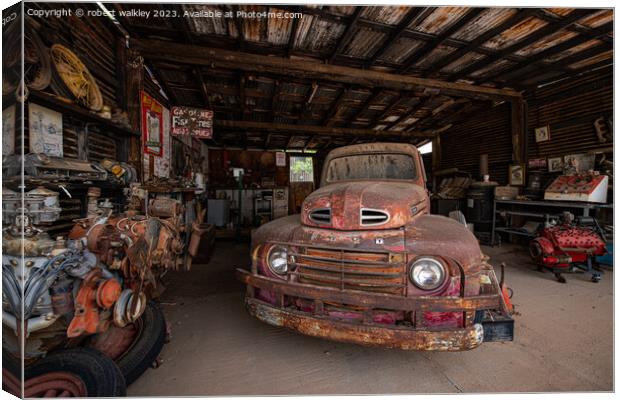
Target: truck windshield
<point>371,166</point>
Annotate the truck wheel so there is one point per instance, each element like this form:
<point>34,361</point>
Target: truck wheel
<point>77,372</point>
<point>136,346</point>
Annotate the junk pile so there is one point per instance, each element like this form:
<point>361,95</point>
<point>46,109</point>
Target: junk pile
<point>90,292</point>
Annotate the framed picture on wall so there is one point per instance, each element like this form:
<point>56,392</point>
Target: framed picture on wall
<point>516,175</point>
<point>542,134</point>
<point>556,164</point>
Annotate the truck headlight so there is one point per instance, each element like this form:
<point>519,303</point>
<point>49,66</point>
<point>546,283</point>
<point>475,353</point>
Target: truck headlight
<point>427,273</point>
<point>277,260</point>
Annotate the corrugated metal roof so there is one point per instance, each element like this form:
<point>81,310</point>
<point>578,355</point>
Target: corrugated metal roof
<point>281,98</point>
<point>441,19</point>
<point>597,19</point>
<point>317,35</point>
<point>365,42</point>
<point>390,15</point>
<point>206,26</point>
<point>487,20</point>
<point>552,40</point>
<point>574,50</point>
<point>515,34</point>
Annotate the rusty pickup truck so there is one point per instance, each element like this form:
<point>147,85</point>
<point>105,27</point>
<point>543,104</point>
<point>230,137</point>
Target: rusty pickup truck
<point>366,263</point>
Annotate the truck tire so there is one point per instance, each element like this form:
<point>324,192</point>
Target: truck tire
<point>77,372</point>
<point>146,346</point>
<point>136,346</point>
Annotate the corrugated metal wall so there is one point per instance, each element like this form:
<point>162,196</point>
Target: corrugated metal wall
<point>487,132</point>
<point>570,108</point>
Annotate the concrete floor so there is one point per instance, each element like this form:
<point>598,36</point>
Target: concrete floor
<point>564,335</point>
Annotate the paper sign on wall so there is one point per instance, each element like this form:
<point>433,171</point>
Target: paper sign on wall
<point>280,159</point>
<point>152,124</point>
<point>188,121</point>
<point>45,130</point>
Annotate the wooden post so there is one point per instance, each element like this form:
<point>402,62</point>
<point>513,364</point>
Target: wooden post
<point>436,160</point>
<point>134,71</point>
<point>518,130</point>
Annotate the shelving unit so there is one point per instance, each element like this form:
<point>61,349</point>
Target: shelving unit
<point>584,207</point>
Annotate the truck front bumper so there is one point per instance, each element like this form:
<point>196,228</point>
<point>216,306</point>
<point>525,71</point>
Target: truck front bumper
<point>385,335</point>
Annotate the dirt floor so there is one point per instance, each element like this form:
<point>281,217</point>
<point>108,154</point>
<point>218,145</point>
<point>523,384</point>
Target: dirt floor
<point>563,342</point>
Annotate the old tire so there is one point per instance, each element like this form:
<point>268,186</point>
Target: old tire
<point>146,346</point>
<point>136,346</point>
<point>99,375</point>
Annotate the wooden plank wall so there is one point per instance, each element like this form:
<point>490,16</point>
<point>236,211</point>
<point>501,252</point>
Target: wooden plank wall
<point>570,108</point>
<point>486,132</point>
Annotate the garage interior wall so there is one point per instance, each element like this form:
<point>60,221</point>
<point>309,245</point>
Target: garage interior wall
<point>487,132</point>
<point>569,107</point>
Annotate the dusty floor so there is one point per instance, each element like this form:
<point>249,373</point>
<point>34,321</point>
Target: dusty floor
<point>563,342</point>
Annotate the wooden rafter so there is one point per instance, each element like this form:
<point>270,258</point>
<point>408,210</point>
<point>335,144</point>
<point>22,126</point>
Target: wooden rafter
<point>348,34</point>
<point>530,39</point>
<point>386,111</point>
<point>581,29</point>
<point>371,96</point>
<point>481,39</point>
<point>307,129</point>
<point>416,108</point>
<point>563,63</point>
<point>199,55</point>
<point>568,44</point>
<point>402,26</point>
<point>335,107</point>
<point>439,39</point>
<point>291,39</point>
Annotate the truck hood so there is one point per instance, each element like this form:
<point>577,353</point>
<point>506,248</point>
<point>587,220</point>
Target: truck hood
<point>363,205</point>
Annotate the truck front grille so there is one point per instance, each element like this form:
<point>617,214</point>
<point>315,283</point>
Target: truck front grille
<point>381,272</point>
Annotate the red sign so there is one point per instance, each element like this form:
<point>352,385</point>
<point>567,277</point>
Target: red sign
<point>192,121</point>
<point>152,124</point>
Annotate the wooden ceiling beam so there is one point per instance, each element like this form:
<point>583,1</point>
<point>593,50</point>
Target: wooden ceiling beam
<point>563,63</point>
<point>347,35</point>
<point>373,94</point>
<point>480,40</point>
<point>386,111</point>
<point>335,107</point>
<point>538,57</point>
<point>534,37</point>
<point>238,26</point>
<point>439,39</point>
<point>307,129</point>
<point>419,106</point>
<point>198,55</point>
<point>581,29</point>
<point>402,26</point>
<point>291,39</point>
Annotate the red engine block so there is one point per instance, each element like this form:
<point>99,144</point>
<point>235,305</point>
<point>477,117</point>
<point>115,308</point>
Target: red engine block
<point>560,246</point>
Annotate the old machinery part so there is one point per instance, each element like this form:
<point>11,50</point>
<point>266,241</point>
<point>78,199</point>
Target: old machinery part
<point>42,166</point>
<point>128,308</point>
<point>76,77</point>
<point>35,58</point>
<point>165,207</point>
<point>40,204</point>
<point>427,273</point>
<point>95,292</point>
